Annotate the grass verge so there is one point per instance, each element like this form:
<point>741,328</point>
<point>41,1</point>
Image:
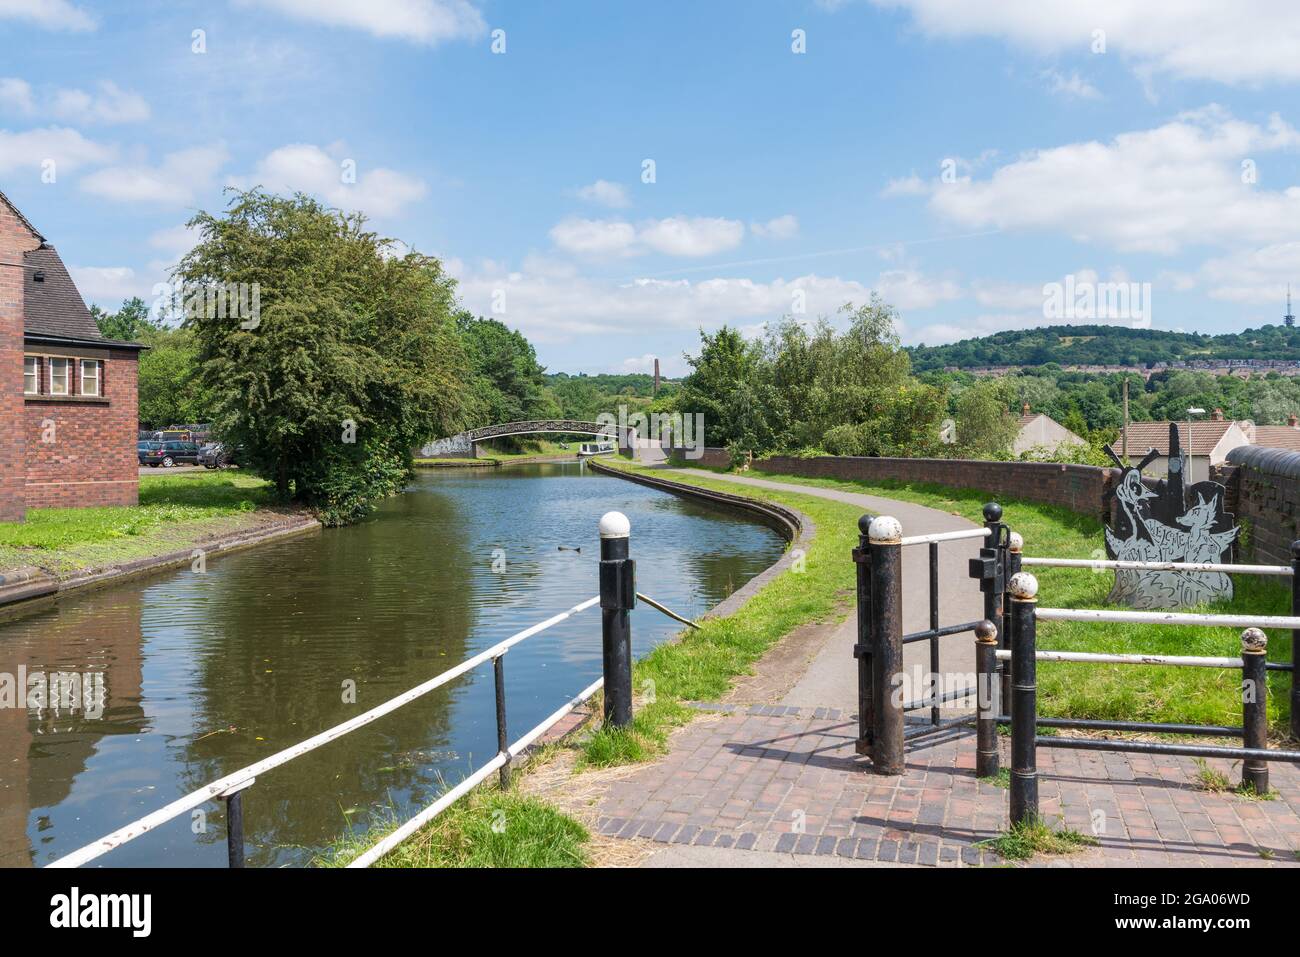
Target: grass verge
<point>488,828</point>
<point>173,510</point>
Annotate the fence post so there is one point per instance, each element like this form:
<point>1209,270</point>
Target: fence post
<point>503,741</point>
<point>994,599</point>
<point>1295,640</point>
<point>1024,703</point>
<point>234,798</point>
<point>986,700</point>
<point>1254,706</point>
<point>885,536</point>
<point>1015,549</point>
<point>617,598</point>
<point>862,650</point>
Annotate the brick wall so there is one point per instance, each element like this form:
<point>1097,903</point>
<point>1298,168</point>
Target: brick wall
<point>1264,490</point>
<point>1077,487</point>
<point>91,460</point>
<point>15,239</point>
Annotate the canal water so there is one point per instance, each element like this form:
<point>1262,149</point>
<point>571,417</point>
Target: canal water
<point>204,673</point>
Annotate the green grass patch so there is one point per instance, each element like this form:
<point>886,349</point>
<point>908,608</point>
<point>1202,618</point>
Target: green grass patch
<point>488,828</point>
<point>1117,692</point>
<point>702,665</point>
<point>1023,841</point>
<point>1001,780</point>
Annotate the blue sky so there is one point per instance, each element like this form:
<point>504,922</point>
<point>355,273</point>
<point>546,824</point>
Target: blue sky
<point>954,155</point>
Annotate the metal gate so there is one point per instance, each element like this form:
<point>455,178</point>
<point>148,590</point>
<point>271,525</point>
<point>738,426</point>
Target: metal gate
<point>882,725</point>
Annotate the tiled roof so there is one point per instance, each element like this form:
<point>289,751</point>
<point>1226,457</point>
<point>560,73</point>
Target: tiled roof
<point>53,306</point>
<point>1155,435</point>
<point>1277,437</point>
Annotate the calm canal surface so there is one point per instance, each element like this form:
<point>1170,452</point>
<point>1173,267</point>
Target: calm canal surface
<point>206,673</point>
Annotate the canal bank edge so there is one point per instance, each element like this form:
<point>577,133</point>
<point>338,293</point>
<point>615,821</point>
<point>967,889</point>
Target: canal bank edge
<point>794,526</point>
<point>28,589</point>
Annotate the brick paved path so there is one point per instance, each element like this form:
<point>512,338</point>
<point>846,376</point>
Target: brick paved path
<point>774,778</point>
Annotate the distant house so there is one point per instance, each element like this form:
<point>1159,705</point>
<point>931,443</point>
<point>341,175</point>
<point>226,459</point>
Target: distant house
<point>1209,443</point>
<point>1277,436</point>
<point>1043,432</point>
<point>67,394</point>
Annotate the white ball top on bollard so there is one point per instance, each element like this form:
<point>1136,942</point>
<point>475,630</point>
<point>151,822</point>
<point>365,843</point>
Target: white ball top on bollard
<point>1016,542</point>
<point>885,528</point>
<point>1023,586</point>
<point>615,525</point>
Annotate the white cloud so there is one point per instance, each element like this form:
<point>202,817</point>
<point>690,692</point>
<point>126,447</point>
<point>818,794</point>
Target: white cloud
<point>783,227</point>
<point>66,148</point>
<point>1151,190</point>
<point>110,284</point>
<point>1256,276</point>
<point>700,236</point>
<point>670,366</point>
<point>1247,41</point>
<point>16,95</point>
<point>675,236</point>
<point>1071,86</point>
<point>302,167</point>
<point>907,289</point>
<point>51,14</point>
<point>613,195</point>
<point>176,181</point>
<point>594,237</point>
<point>552,308</point>
<point>111,104</point>
<point>421,21</point>
<point>174,241</point>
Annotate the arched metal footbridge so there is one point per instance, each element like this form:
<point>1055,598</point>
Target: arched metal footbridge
<point>466,443</point>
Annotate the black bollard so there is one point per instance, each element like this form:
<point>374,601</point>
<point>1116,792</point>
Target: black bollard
<point>617,598</point>
<point>1014,551</point>
<point>862,650</point>
<point>1295,640</point>
<point>886,534</point>
<point>994,594</point>
<point>235,829</point>
<point>503,738</point>
<point>1024,703</point>
<point>1254,706</point>
<point>987,693</point>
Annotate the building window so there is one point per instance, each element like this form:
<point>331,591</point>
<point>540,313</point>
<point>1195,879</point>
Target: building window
<point>89,377</point>
<point>31,375</point>
<point>60,370</point>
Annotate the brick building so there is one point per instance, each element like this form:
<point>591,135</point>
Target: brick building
<point>67,394</point>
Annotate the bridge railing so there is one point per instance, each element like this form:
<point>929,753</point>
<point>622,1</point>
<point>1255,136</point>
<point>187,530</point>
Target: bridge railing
<point>616,598</point>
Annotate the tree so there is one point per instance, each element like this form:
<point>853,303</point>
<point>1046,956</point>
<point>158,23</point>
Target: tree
<point>128,324</point>
<point>507,383</point>
<point>350,363</point>
<point>170,388</point>
<point>985,427</point>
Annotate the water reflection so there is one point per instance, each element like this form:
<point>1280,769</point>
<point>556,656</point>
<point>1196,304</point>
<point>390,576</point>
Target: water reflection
<point>208,672</point>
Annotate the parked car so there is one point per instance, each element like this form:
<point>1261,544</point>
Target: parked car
<point>143,450</point>
<point>168,454</point>
<point>216,455</point>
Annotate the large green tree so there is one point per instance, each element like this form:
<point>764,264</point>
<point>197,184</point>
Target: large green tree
<point>351,362</point>
<point>507,382</point>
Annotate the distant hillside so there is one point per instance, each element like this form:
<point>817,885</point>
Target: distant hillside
<point>1107,345</point>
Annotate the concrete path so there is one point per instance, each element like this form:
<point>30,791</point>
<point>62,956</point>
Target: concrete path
<point>832,679</point>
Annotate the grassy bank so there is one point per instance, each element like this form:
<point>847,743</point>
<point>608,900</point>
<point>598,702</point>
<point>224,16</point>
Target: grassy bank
<point>1193,695</point>
<point>489,828</point>
<point>174,511</point>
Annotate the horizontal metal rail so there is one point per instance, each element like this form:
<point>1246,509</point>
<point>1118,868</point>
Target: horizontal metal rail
<point>1100,563</point>
<point>1181,661</point>
<point>921,730</point>
<point>946,536</point>
<point>236,779</point>
<point>1160,747</point>
<point>667,611</point>
<point>1167,618</point>
<point>943,632</point>
<point>391,841</point>
<point>955,695</point>
<point>1140,727</point>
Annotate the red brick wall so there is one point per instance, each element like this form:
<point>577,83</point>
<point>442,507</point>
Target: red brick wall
<point>92,460</point>
<point>1077,487</point>
<point>15,239</point>
<point>1264,492</point>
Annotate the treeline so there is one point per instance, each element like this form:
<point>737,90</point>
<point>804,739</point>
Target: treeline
<point>1106,345</point>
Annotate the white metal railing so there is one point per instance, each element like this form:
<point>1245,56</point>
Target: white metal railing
<point>237,780</point>
<point>946,536</point>
<point>1167,618</point>
<point>1160,566</point>
<point>1185,661</point>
